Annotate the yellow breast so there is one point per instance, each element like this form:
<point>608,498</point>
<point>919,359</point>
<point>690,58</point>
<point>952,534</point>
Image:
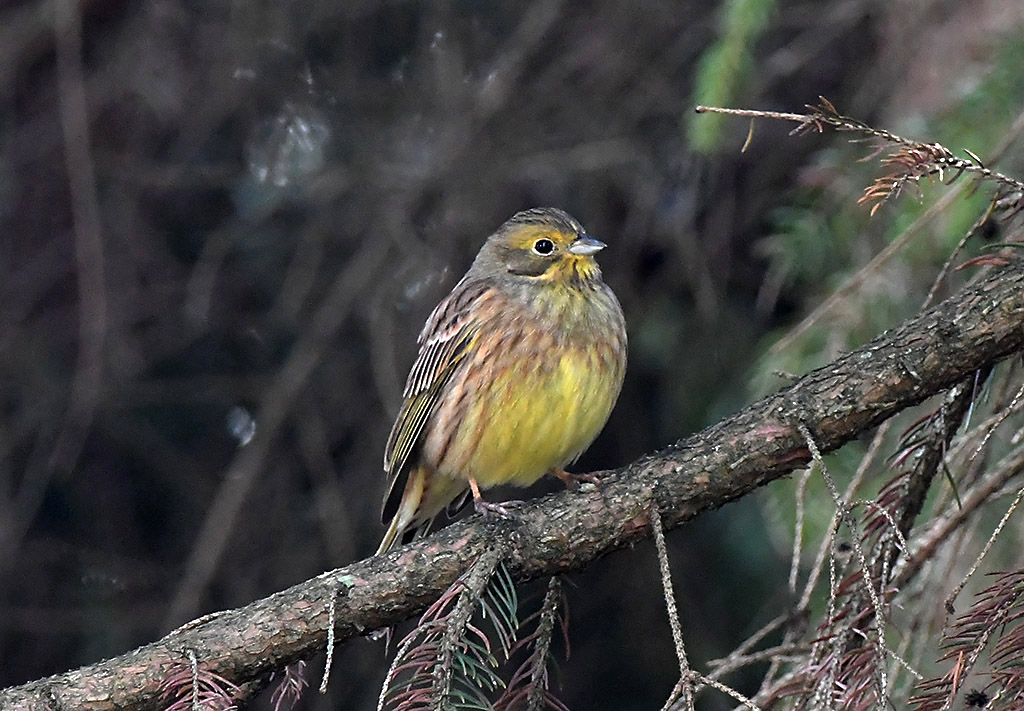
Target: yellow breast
<point>528,402</point>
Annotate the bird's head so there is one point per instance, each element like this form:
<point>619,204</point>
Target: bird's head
<point>543,245</point>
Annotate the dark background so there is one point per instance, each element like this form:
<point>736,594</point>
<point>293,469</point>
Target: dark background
<point>254,187</point>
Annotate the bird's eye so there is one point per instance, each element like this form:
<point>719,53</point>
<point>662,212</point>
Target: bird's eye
<point>543,247</point>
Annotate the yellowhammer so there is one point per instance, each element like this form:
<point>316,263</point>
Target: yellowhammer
<point>517,371</point>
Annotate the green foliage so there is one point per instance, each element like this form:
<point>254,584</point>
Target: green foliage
<point>825,243</point>
<point>447,660</point>
<point>725,65</point>
<point>529,685</point>
<point>987,106</point>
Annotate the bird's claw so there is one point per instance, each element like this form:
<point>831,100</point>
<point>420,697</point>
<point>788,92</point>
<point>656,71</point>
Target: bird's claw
<point>573,481</point>
<point>486,508</point>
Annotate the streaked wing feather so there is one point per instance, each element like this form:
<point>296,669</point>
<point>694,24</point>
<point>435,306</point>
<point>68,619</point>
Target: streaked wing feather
<point>419,403</point>
<point>444,342</point>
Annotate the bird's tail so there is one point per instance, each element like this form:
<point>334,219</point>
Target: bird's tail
<point>407,509</point>
<point>390,536</point>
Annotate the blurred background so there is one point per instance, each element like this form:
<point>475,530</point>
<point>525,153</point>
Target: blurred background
<point>222,225</point>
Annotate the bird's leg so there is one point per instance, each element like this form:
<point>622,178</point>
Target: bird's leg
<point>574,480</point>
<point>486,508</point>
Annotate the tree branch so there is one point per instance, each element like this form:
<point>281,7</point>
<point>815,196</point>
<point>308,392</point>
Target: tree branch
<point>566,531</point>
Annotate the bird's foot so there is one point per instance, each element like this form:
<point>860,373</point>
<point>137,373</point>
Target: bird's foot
<point>487,508</point>
<point>574,480</point>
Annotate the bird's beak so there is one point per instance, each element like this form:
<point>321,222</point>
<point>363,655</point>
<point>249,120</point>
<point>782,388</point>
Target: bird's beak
<point>585,244</point>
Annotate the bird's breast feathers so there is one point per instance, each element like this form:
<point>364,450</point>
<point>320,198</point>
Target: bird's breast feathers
<point>525,402</point>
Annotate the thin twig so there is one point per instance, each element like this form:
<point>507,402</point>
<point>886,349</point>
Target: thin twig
<point>798,529</point>
<point>194,664</point>
<point>92,301</point>
<point>782,116</point>
<point>855,541</point>
<point>331,612</point>
<point>749,642</point>
<point>398,661</point>
<point>826,551</point>
<point>545,633</point>
<point>457,620</point>
<point>734,661</point>
<point>820,117</point>
<point>948,264</point>
<point>694,676</point>
<point>924,546</point>
<point>1017,400</point>
<point>984,551</point>
<point>673,614</point>
<point>930,158</point>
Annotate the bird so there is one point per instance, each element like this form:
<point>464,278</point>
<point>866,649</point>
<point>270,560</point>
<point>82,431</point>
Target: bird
<point>517,372</point>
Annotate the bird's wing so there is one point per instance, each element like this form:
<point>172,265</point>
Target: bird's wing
<point>444,342</point>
